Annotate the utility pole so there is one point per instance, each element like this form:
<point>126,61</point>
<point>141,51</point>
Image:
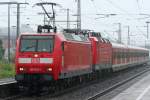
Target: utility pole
<point>147,29</point>
<point>18,13</point>
<point>68,19</point>
<point>9,33</point>
<point>79,14</point>
<point>18,22</point>
<point>18,19</point>
<point>119,33</point>
<point>68,24</point>
<point>128,40</point>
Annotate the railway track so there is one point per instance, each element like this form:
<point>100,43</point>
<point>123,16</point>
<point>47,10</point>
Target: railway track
<point>8,88</point>
<point>12,97</point>
<point>19,96</point>
<point>104,92</point>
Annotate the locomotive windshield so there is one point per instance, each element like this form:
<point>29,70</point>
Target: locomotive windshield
<point>37,44</point>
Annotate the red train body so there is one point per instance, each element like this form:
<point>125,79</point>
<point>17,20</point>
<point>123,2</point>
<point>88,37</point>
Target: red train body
<point>54,56</point>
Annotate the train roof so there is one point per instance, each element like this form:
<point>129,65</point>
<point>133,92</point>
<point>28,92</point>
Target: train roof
<point>116,45</point>
<point>138,48</point>
<point>63,36</point>
<point>37,33</point>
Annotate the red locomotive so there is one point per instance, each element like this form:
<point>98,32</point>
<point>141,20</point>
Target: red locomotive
<point>49,57</point>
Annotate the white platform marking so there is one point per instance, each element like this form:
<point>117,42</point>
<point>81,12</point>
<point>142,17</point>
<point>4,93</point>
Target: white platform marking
<point>138,91</point>
<point>143,93</point>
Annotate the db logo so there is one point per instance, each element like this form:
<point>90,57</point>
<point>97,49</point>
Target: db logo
<point>35,60</point>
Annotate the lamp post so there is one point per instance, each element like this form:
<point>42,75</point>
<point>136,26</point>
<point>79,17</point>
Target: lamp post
<point>147,29</point>
<point>18,13</point>
<point>119,32</point>
<point>128,40</point>
<point>68,15</point>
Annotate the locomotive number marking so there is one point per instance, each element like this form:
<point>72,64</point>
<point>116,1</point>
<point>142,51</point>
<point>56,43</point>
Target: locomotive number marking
<point>35,60</point>
<point>35,69</point>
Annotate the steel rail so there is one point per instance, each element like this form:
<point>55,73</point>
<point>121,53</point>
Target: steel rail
<point>102,93</point>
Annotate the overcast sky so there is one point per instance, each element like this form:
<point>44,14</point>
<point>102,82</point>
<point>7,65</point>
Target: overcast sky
<point>128,12</point>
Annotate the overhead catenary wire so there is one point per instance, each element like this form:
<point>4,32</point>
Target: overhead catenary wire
<point>121,9</point>
<point>138,5</point>
<point>118,7</point>
<point>93,2</point>
<point>141,32</point>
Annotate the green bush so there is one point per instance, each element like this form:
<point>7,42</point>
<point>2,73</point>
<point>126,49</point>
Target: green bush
<point>7,70</point>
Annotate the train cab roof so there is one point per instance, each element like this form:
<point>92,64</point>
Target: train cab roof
<point>37,34</point>
<point>63,36</point>
<point>60,35</point>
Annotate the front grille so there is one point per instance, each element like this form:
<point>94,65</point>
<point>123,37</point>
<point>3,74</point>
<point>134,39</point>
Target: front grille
<point>33,77</point>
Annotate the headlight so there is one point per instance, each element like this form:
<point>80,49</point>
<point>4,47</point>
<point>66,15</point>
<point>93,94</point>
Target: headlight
<point>49,69</point>
<point>21,69</point>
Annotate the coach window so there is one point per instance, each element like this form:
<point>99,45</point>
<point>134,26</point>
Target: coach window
<point>119,55</point>
<point>114,53</point>
<point>128,53</point>
<point>123,54</point>
<point>131,55</point>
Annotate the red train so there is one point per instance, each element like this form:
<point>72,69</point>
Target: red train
<point>48,57</point>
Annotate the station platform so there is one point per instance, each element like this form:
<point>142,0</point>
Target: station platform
<point>138,91</point>
<point>7,81</point>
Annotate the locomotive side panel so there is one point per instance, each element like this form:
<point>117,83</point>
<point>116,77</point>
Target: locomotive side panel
<point>77,59</point>
<point>104,54</point>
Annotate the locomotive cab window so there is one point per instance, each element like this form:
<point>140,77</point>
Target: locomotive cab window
<point>37,44</point>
